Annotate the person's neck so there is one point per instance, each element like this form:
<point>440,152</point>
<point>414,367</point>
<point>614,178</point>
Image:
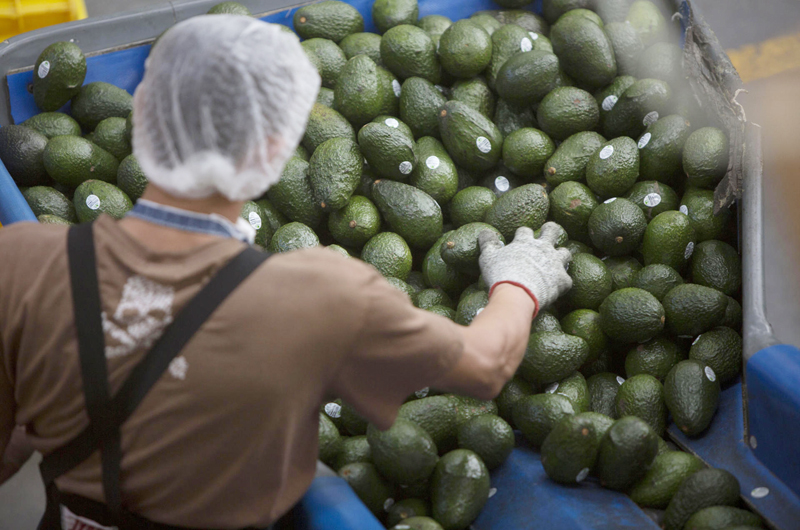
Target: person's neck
<point>162,238</point>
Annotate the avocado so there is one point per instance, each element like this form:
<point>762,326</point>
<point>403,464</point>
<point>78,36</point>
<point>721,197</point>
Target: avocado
<point>570,450</point>
<point>443,311</point>
<point>405,453</point>
<point>271,215</point>
<point>44,200</point>
<point>461,249</point>
<point>576,247</point>
<point>721,349</point>
<point>53,220</point>
<point>524,206</point>
<point>292,236</point>
<point>368,44</point>
<point>507,41</point>
<point>607,97</point>
<point>510,395</point>
<point>586,14</point>
<point>545,321</point>
<point>661,148</point>
<point>614,168</point>
<point>387,14</point>
<point>733,315</point>
<point>585,323</point>
<point>584,50</point>
<point>130,178</point>
<point>655,357</point>
<point>330,441</point>
<point>617,227</point>
<point>722,517</point>
<point>509,117</point>
<point>405,288</point>
<point>356,223</point>
<point>554,9</point>
<point>551,356</point>
<point>470,306</point>
<point>465,49</point>
<point>657,279</point>
<point>97,101</point>
<point>631,315</point>
<point>488,436</point>
<point>408,51</point>
<point>500,180</point>
<point>707,487</point>
<point>229,8</point>
<point>420,102</point>
<point>591,282</point>
<point>471,205</point>
<point>94,197</point>
<point>536,415</point>
<point>527,77</point>
<point>566,111</point>
<point>334,172</point>
<point>627,450</point>
<point>389,253</point>
<point>600,365</point>
<point>254,215</point>
<point>358,94</point>
<point>627,46</point>
<point>603,388</point>
<point>324,123</point>
<point>293,195</point>
<point>662,60</point>
<point>698,205</point>
<point>573,387</point>
<point>705,157</point>
<point>327,57</point>
<point>405,509</point>
<point>717,264</point>
<point>59,73</point>
<point>410,212</point>
<point>471,138</point>
<point>642,396</point>
<point>663,478</point>
<point>389,148</point>
<point>648,22</point>
<point>439,274</point>
<point>328,20</point>
<point>53,124</point>
<point>569,161</point>
<point>110,135</point>
<point>418,523</point>
<point>639,106</point>
<point>433,297</point>
<point>71,160</point>
<point>435,173</point>
<point>369,485</point>
<point>459,489</point>
<point>693,309</point>
<point>22,151</point>
<point>476,94</point>
<point>434,24</point>
<point>691,391</point>
<point>653,198</point>
<point>525,152</point>
<point>669,239</point>
<point>571,205</point>
<point>486,21</point>
<point>623,270</point>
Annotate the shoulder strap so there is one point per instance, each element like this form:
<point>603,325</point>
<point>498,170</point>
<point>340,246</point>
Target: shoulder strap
<point>146,373</point>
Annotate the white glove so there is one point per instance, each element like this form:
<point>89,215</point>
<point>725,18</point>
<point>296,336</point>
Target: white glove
<point>532,264</point>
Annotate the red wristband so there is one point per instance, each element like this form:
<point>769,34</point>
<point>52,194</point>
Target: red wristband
<point>515,284</point>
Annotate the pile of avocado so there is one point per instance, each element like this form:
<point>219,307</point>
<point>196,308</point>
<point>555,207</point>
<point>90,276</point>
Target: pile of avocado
<point>427,134</point>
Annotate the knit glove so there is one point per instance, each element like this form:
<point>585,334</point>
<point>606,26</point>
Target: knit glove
<point>532,264</point>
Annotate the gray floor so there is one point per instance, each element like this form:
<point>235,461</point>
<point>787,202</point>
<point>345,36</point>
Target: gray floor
<point>737,22</point>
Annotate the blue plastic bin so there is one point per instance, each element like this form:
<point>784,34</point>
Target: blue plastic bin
<point>754,434</point>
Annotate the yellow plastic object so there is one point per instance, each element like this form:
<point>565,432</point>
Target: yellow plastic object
<point>19,16</point>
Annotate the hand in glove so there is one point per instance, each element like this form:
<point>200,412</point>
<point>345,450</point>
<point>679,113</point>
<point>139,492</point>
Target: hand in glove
<point>532,264</point>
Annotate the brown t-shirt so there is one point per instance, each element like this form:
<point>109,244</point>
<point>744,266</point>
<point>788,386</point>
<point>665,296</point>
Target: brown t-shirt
<point>227,438</point>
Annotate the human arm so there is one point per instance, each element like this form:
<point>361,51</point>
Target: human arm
<point>17,451</point>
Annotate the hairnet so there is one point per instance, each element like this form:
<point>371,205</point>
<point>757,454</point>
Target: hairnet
<point>223,105</point>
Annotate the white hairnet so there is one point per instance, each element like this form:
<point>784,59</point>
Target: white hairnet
<point>223,105</point>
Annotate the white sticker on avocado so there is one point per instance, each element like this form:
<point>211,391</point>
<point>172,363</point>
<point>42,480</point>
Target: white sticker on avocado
<point>440,88</point>
<point>93,202</point>
<point>650,118</point>
<point>396,87</point>
<point>644,140</point>
<point>422,393</point>
<point>609,201</point>
<point>334,410</point>
<point>534,36</point>
<point>620,379</point>
<point>502,184</point>
<point>492,492</point>
<point>255,220</point>
<point>552,388</point>
<point>606,152</point>
<point>695,340</point>
<point>526,45</point>
<point>689,250</point>
<point>44,69</point>
<point>684,210</point>
<point>609,102</point>
<point>388,504</point>
<point>582,475</point>
<point>760,492</point>
<point>710,374</point>
<point>393,123</point>
<point>406,167</point>
<point>483,143</point>
<point>479,311</point>
<point>651,200</point>
<point>402,527</point>
<point>432,162</point>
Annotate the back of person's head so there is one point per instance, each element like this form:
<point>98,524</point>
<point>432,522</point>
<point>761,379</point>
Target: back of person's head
<point>223,105</point>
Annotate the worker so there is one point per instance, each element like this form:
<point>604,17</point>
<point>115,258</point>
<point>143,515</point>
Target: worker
<point>170,374</point>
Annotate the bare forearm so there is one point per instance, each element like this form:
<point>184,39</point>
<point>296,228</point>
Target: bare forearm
<point>494,344</point>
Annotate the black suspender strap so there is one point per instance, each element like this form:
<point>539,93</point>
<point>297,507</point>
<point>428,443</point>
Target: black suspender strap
<point>106,415</point>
